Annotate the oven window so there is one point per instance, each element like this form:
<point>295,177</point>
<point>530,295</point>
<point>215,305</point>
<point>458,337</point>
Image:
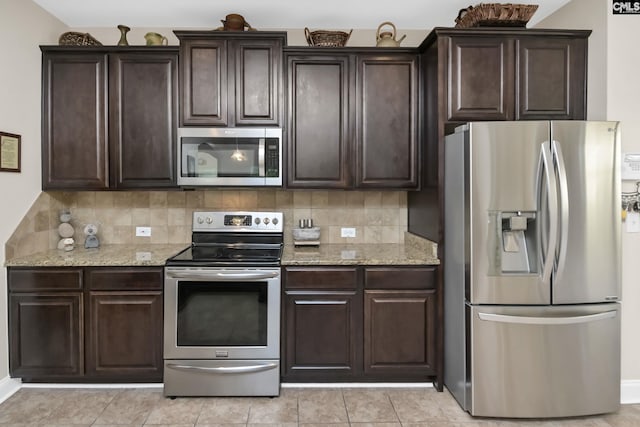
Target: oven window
<point>222,314</point>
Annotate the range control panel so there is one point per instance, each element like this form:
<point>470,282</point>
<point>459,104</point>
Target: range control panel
<point>238,222</point>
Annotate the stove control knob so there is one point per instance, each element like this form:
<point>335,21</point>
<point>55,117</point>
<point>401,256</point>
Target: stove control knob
<point>209,220</point>
<point>274,221</point>
<point>266,221</point>
<point>257,221</point>
<point>200,220</point>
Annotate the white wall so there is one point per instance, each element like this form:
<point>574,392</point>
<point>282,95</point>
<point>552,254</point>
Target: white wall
<point>613,93</point>
<point>23,27</point>
<point>623,67</point>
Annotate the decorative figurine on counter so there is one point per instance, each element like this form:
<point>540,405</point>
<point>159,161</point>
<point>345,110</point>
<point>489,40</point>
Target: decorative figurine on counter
<point>66,231</point>
<point>91,241</point>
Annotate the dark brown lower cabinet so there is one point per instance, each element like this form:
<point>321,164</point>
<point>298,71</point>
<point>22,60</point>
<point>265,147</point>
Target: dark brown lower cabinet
<point>322,335</point>
<point>85,324</point>
<point>360,324</point>
<point>45,335</point>
<point>399,333</point>
<point>124,331</point>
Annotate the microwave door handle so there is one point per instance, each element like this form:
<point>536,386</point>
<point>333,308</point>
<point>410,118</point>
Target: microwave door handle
<point>261,148</point>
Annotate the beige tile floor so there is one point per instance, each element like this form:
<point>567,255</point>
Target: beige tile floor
<point>312,407</point>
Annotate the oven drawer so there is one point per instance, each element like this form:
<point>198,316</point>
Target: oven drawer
<point>221,378</point>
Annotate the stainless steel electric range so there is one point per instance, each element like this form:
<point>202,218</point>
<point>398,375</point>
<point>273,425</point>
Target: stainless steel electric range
<point>222,307</point>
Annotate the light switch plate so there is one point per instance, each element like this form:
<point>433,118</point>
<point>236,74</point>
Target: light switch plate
<point>632,222</point>
<point>347,232</point>
<point>143,231</point>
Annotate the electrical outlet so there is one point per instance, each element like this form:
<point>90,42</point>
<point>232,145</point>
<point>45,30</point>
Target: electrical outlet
<point>347,232</point>
<point>143,231</point>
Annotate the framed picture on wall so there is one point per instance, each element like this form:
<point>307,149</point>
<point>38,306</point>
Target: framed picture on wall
<point>9,152</point>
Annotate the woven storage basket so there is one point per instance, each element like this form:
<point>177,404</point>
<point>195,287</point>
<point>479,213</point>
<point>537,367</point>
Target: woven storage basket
<point>495,15</point>
<point>73,38</point>
<point>327,38</point>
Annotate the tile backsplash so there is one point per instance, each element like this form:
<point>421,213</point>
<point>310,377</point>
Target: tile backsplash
<point>377,216</point>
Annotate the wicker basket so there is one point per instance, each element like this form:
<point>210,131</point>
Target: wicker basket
<point>73,38</point>
<point>495,15</point>
<point>327,38</point>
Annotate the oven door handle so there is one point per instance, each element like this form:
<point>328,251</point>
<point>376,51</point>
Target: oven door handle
<point>225,369</point>
<point>209,275</point>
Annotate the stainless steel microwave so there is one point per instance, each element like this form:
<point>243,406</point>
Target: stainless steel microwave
<point>229,157</point>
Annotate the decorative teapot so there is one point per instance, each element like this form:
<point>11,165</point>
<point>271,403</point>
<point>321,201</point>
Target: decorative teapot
<point>387,39</point>
<point>154,39</point>
<point>235,22</point>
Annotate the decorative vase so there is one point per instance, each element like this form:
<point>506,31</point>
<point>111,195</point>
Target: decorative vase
<point>123,35</point>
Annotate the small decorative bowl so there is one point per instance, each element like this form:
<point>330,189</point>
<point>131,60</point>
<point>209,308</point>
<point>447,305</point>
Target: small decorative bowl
<point>302,234</point>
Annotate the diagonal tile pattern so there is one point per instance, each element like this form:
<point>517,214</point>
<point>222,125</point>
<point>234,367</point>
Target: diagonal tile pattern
<point>315,407</point>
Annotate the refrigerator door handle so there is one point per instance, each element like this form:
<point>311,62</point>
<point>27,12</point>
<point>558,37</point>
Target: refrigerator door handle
<point>564,207</point>
<point>527,320</point>
<point>552,203</point>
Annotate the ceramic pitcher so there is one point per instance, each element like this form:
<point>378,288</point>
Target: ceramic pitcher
<point>155,39</point>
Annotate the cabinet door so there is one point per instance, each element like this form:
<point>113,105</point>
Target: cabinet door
<point>552,78</point>
<point>125,335</point>
<point>143,106</point>
<point>124,323</point>
<point>258,81</point>
<point>318,121</point>
<point>322,336</point>
<point>74,122</point>
<point>387,121</point>
<point>481,79</point>
<point>203,82</point>
<point>402,355</point>
<point>45,335</point>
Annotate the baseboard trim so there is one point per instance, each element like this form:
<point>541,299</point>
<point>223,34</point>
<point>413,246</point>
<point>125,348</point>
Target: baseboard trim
<point>98,385</point>
<point>8,386</point>
<point>356,385</point>
<point>630,391</point>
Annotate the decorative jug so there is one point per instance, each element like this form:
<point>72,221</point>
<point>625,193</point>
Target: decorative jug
<point>155,39</point>
<point>235,22</point>
<point>387,39</point>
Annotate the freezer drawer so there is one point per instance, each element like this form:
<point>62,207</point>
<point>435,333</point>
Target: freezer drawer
<point>552,361</point>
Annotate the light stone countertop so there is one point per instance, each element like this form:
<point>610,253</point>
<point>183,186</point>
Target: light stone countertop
<point>357,254</point>
<point>106,255</point>
<point>415,251</point>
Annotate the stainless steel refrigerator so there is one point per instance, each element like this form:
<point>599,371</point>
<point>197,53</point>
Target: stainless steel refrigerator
<point>532,268</point>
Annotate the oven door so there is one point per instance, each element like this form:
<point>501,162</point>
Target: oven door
<point>222,313</point>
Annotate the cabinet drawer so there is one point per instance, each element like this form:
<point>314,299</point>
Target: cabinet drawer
<point>400,278</point>
<point>321,278</point>
<point>124,278</point>
<point>45,279</point>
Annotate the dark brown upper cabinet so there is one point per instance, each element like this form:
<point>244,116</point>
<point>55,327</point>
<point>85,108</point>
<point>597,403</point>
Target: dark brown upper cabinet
<point>515,75</point>
<point>352,118</point>
<point>231,79</point>
<point>109,117</point>
<point>74,120</point>
<point>143,100</point>
<point>386,149</point>
<point>319,120</point>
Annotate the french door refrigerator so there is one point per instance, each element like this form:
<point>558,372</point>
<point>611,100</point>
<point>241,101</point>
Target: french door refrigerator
<point>532,268</point>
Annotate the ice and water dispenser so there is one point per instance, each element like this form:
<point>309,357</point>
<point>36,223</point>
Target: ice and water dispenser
<point>514,243</point>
